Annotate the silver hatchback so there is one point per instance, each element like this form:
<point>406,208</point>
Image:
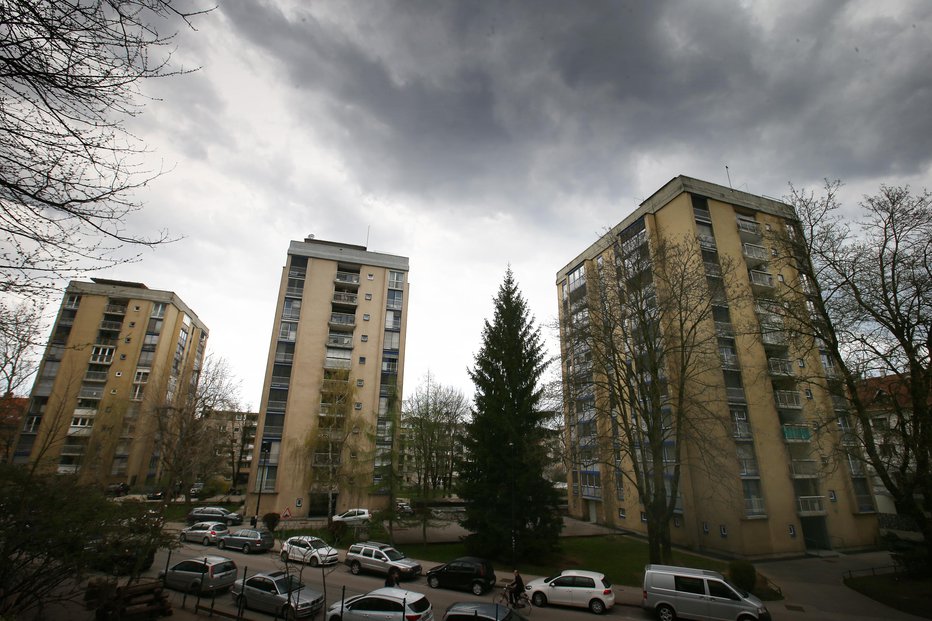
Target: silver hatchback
<point>205,532</point>
<point>202,574</point>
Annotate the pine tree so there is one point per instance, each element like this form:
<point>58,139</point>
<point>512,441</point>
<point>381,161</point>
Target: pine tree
<point>510,507</point>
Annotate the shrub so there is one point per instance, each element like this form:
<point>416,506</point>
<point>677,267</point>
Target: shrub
<point>271,520</point>
<point>742,574</point>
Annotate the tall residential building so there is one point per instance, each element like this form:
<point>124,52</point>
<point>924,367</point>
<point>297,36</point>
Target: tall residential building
<point>333,382</point>
<point>780,487</point>
<point>118,352</point>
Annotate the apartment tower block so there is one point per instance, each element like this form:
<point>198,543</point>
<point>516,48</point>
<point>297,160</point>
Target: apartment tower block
<point>781,487</point>
<point>118,351</point>
<point>332,389</point>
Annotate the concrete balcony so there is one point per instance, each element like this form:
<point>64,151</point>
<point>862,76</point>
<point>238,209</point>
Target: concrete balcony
<point>788,399</point>
<point>761,281</point>
<point>106,324</point>
<point>706,242</point>
<point>95,376</point>
<point>342,321</point>
<point>749,230</point>
<point>345,298</point>
<point>294,292</point>
<point>713,270</point>
<point>340,340</point>
<point>337,363</point>
<point>781,367</point>
<point>748,468</point>
<point>348,278</point>
<point>115,309</point>
<point>797,433</point>
<point>297,272</point>
<point>735,395</point>
<point>804,468</point>
<point>729,361</point>
<point>754,255</point>
<point>754,506</point>
<point>741,430</point>
<point>810,505</point>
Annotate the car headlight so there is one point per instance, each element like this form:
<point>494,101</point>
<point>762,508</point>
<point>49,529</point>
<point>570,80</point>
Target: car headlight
<point>762,610</point>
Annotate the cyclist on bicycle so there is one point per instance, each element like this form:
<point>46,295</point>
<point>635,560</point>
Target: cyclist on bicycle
<point>515,588</point>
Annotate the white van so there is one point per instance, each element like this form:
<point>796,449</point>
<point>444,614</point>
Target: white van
<point>682,592</point>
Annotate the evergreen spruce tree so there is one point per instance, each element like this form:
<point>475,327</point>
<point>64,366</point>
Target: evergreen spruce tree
<point>510,507</point>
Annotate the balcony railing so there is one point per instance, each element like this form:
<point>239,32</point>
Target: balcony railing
<point>729,360</point>
<point>748,467</point>
<point>724,328</point>
<point>337,363</point>
<point>276,406</point>
<point>713,269</point>
<point>590,491</point>
<point>284,358</point>
<point>756,254</point>
<point>754,506</point>
<point>280,381</point>
<point>810,504</point>
<point>115,309</point>
<point>707,242</point>
<point>87,392</point>
<point>294,292</point>
<point>702,214</point>
<point>347,277</point>
<point>342,319</point>
<point>272,431</point>
<point>751,228</point>
<point>805,468</point>
<point>797,433</point>
<point>339,340</point>
<point>780,366</point>
<point>865,503</point>
<point>773,337</point>
<point>761,279</point>
<point>839,403</point>
<point>741,429</point>
<point>291,315</point>
<point>342,297</point>
<point>96,376</point>
<point>111,325</point>
<point>788,399</point>
<point>297,272</point>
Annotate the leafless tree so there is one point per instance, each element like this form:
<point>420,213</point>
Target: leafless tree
<point>70,76</point>
<point>864,303</point>
<point>644,350</point>
<point>21,330</point>
<point>187,442</point>
<point>433,418</point>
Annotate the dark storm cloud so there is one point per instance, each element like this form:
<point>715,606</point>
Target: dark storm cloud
<point>520,104</point>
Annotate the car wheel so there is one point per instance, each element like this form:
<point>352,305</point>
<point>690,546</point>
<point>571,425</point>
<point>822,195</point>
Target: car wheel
<point>355,567</point>
<point>184,537</point>
<point>206,541</point>
<point>221,544</point>
<point>597,606</point>
<point>665,613</point>
<point>288,613</point>
<point>539,599</point>
<point>284,556</point>
<point>314,561</point>
<point>195,587</point>
<point>433,581</point>
<point>240,602</point>
<point>477,588</point>
<point>246,548</point>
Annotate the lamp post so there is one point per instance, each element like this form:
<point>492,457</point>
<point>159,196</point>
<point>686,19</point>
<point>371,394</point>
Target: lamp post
<point>266,449</point>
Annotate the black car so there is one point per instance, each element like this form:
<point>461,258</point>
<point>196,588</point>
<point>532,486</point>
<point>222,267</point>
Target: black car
<point>466,573</point>
<point>214,514</point>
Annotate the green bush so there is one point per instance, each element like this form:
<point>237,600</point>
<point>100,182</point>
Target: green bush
<point>271,520</point>
<point>742,574</point>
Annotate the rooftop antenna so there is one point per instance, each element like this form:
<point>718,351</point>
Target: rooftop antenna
<point>368,226</point>
<point>728,174</point>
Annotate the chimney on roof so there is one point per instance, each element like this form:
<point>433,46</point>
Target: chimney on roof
<point>309,237</point>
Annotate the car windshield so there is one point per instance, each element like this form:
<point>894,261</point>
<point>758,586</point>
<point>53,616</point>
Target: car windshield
<point>548,580</point>
<point>737,590</point>
<point>419,605</point>
<point>285,582</point>
<point>317,544</point>
<point>393,554</point>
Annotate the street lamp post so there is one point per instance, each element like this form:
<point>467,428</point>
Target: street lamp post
<point>266,449</point>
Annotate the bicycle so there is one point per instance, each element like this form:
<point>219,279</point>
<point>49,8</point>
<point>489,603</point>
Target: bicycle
<point>523,603</point>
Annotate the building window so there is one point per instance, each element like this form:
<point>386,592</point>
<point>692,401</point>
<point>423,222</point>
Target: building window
<point>360,383</point>
<point>158,309</point>
<point>357,405</point>
<point>370,276</point>
<point>723,530</point>
<point>644,516</point>
<point>288,331</point>
<point>132,324</point>
<point>365,317</point>
<point>362,360</point>
<point>368,296</point>
<point>705,527</point>
<point>809,393</point>
<point>396,280</point>
<point>364,338</point>
<point>622,514</point>
<point>832,496</point>
<point>395,298</point>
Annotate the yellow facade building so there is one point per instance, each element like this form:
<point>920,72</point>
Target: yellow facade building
<point>779,488</point>
<point>118,351</point>
<point>333,382</point>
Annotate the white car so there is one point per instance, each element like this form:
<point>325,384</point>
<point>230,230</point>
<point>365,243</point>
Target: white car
<point>387,604</point>
<point>573,587</point>
<point>308,549</point>
<point>353,517</point>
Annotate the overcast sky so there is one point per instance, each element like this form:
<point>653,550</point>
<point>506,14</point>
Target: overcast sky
<point>470,136</point>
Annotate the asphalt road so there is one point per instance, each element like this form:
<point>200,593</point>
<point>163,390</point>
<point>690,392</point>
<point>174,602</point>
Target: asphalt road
<point>337,582</point>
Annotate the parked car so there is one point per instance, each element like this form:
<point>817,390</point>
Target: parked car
<point>205,532</point>
<point>386,603</point>
<point>118,489</point>
<point>353,517</point>
<point>247,540</point>
<point>196,490</point>
<point>673,592</point>
<point>308,549</point>
<point>380,558</point>
<point>403,508</point>
<point>156,495</point>
<point>480,611</point>
<point>573,587</point>
<point>466,573</point>
<point>202,574</point>
<point>217,514</point>
<point>278,594</point>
